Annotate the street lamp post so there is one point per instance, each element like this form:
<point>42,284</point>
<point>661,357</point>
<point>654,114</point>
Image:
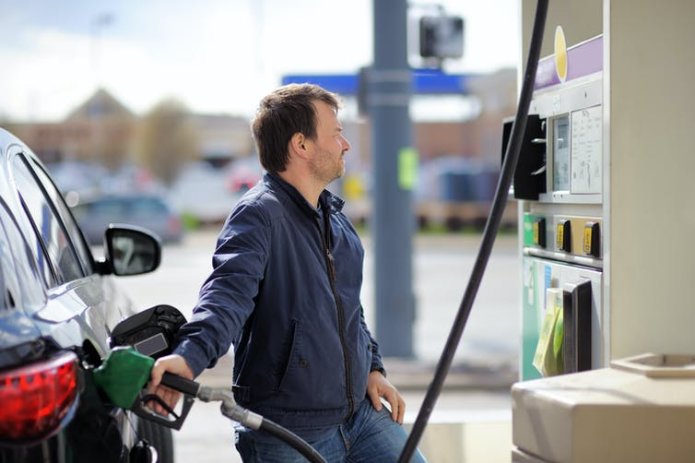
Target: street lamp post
<point>388,99</point>
<point>94,110</point>
<point>96,26</point>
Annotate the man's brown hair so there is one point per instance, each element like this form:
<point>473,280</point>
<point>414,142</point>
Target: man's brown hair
<point>288,110</point>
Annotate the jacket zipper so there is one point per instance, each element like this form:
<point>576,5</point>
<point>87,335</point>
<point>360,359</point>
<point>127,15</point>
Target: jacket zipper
<point>330,263</point>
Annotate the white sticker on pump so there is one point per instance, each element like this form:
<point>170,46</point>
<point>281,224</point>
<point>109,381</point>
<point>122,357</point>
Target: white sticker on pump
<point>586,141</point>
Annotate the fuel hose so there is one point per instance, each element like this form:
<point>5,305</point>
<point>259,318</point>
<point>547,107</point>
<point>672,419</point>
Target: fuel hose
<point>257,422</point>
<point>231,410</point>
<point>291,439</point>
<point>489,234</point>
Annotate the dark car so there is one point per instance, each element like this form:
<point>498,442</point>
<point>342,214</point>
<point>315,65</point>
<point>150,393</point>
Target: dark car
<point>147,210</point>
<point>58,307</point>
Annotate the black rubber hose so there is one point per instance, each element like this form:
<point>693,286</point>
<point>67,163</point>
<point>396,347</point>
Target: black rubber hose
<point>291,439</point>
<point>489,234</point>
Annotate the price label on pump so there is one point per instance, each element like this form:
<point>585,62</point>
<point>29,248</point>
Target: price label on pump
<point>592,239</point>
<point>560,237</point>
<point>587,238</point>
<point>563,236</point>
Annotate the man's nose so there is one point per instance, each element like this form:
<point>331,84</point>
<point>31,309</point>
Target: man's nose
<point>346,144</point>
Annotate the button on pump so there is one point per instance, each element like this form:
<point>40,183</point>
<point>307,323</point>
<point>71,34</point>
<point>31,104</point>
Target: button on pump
<point>539,232</point>
<point>563,236</point>
<point>592,239</point>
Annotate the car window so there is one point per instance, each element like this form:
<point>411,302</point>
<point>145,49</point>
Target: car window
<point>20,282</point>
<point>147,206</point>
<point>83,252</point>
<point>62,264</point>
<point>107,207</point>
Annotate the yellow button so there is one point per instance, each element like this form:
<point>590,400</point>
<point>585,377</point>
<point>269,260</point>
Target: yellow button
<point>592,239</point>
<point>563,236</point>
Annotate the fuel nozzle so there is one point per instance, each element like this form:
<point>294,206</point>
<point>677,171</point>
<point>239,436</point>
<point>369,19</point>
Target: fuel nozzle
<point>123,376</point>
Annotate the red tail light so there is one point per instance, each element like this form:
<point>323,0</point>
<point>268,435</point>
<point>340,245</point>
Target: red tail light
<point>36,398</point>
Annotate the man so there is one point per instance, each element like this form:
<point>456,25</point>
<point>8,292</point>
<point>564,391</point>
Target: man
<point>285,291</point>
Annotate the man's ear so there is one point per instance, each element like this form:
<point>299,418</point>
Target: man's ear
<point>298,144</point>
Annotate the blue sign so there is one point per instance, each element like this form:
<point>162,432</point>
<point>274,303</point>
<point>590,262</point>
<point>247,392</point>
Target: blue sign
<point>425,82</point>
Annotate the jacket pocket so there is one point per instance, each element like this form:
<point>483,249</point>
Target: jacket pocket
<point>290,357</point>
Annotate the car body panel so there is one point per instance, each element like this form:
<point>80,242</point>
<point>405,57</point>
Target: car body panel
<point>39,318</point>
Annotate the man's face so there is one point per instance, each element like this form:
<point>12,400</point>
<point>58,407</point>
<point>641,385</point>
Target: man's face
<point>327,162</point>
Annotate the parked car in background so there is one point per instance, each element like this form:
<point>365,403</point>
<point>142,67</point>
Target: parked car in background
<point>82,178</point>
<point>200,193</point>
<point>457,191</point>
<point>58,306</point>
<point>147,210</point>
<point>243,174</point>
<point>452,191</point>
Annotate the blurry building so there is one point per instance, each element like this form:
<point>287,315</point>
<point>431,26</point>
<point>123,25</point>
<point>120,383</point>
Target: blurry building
<point>100,129</point>
<point>223,138</point>
<point>447,130</point>
<point>103,130</point>
<point>458,138</point>
<point>473,128</point>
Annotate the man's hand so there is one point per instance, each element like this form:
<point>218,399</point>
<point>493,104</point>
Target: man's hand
<point>377,387</point>
<point>173,364</point>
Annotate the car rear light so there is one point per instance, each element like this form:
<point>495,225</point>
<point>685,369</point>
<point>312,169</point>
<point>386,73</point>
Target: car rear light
<point>36,398</point>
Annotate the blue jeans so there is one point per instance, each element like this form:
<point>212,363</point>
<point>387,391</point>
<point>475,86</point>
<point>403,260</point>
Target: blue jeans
<point>368,436</point>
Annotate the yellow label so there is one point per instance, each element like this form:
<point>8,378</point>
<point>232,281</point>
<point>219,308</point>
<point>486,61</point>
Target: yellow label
<point>587,238</point>
<point>560,238</point>
<point>536,233</point>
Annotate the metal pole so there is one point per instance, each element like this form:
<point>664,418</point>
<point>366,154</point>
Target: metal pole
<point>388,96</point>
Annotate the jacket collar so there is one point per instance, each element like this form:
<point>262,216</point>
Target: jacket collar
<point>327,200</point>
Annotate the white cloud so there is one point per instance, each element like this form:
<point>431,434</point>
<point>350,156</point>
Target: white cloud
<point>43,78</point>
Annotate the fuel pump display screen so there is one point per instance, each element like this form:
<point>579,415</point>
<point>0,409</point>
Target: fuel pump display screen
<point>561,154</point>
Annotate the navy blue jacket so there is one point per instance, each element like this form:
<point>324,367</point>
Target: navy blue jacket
<point>287,295</point>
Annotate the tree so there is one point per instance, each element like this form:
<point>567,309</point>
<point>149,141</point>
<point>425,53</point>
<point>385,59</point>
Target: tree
<point>167,139</point>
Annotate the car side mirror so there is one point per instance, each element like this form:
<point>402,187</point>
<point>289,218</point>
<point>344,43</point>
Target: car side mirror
<point>130,250</point>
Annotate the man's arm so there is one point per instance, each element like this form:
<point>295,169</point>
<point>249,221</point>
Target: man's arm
<point>377,363</point>
<point>225,301</point>
<point>226,298</point>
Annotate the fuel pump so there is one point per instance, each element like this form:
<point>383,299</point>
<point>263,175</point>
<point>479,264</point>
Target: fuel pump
<point>559,186</point>
<point>603,202</point>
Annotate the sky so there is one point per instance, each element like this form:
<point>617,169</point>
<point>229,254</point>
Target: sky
<point>215,56</point>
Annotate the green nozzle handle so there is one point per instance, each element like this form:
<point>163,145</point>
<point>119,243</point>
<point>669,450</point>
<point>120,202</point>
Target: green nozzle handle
<point>122,377</point>
<point>123,374</point>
